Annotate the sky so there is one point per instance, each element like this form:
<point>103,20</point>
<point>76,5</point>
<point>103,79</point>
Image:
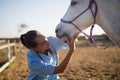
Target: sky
<point>41,15</point>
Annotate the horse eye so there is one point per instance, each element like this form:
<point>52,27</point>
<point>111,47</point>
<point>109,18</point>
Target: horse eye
<point>73,3</point>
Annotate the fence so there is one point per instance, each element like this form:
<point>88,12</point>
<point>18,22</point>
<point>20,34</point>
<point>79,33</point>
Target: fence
<point>6,44</point>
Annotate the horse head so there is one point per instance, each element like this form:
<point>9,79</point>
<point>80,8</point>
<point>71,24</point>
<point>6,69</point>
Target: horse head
<point>77,18</point>
<point>83,13</point>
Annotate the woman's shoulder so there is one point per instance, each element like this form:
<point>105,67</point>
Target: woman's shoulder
<point>31,53</point>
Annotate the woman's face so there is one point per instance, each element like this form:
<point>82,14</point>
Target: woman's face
<point>42,43</point>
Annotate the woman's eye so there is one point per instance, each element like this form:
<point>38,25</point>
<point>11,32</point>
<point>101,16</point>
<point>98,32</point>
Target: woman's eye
<point>73,3</point>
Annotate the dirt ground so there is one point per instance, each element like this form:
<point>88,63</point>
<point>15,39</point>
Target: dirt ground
<point>87,63</point>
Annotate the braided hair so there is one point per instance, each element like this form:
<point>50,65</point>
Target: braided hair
<point>28,39</point>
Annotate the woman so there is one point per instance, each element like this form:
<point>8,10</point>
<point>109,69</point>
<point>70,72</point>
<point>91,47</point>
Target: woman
<point>43,55</point>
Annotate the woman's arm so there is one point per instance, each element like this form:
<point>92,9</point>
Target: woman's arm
<point>64,63</point>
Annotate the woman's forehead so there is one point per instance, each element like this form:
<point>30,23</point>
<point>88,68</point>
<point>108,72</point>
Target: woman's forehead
<point>40,35</point>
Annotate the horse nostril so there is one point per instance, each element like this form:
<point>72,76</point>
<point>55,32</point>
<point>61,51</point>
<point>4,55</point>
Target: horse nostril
<point>56,31</point>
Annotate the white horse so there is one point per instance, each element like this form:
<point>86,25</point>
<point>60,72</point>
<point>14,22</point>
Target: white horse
<point>83,13</point>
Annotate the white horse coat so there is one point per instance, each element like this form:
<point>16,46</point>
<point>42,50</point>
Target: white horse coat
<point>108,18</point>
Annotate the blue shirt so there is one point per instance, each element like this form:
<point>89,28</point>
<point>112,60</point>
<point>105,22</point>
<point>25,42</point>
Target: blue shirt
<point>42,66</point>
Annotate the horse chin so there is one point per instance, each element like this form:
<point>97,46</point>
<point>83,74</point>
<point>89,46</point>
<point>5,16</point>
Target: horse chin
<point>64,37</point>
<point>69,37</point>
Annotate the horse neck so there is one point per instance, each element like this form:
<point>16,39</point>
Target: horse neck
<point>108,18</point>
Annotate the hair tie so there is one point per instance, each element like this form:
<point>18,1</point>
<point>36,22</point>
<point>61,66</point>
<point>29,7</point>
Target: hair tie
<point>23,37</point>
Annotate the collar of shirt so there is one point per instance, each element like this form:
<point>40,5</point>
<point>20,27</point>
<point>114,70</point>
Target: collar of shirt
<point>46,58</point>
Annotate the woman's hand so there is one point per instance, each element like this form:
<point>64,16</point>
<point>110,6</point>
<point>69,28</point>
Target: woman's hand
<point>72,42</point>
<point>64,63</point>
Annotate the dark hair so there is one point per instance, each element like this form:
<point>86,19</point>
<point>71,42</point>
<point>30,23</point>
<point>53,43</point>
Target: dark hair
<point>28,39</point>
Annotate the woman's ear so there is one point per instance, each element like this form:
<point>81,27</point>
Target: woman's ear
<point>35,49</point>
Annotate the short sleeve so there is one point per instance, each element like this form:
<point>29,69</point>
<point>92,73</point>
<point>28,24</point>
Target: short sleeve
<point>57,43</point>
<point>37,66</point>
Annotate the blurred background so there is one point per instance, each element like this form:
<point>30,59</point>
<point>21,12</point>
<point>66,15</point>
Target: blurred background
<point>20,16</point>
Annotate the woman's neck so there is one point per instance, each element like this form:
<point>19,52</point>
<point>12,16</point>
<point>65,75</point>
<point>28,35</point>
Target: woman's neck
<point>45,52</point>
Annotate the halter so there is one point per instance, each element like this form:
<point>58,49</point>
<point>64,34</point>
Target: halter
<point>94,14</point>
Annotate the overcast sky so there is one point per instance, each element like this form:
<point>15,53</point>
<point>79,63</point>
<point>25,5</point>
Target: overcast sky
<point>41,15</point>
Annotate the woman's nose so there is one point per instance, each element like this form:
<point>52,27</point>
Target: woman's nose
<point>46,39</point>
